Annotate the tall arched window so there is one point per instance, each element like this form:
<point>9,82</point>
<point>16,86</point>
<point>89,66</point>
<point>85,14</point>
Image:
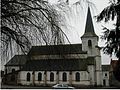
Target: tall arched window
<point>64,76</point>
<point>51,77</point>
<point>39,76</point>
<point>77,76</point>
<point>89,43</point>
<point>28,76</point>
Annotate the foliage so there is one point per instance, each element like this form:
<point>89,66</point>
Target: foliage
<point>112,37</point>
<point>29,22</point>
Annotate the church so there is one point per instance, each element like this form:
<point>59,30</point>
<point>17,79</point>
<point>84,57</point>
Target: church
<point>72,64</point>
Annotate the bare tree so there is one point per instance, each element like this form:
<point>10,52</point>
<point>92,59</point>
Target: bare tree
<point>29,22</point>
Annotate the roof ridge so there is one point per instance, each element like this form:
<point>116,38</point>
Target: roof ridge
<point>57,45</point>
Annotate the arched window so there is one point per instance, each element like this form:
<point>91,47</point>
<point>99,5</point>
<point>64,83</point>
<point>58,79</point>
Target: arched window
<point>64,76</point>
<point>89,43</point>
<point>13,70</point>
<point>105,74</point>
<point>51,77</point>
<point>28,76</point>
<point>77,76</point>
<point>39,76</point>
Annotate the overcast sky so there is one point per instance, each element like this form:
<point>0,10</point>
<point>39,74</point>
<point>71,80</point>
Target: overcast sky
<point>76,22</point>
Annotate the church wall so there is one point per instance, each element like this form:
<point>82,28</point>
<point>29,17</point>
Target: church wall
<point>22,78</point>
<point>36,78</point>
<point>82,82</point>
<point>98,63</point>
<point>48,77</point>
<point>68,56</point>
<point>91,71</point>
<point>83,75</point>
<point>84,78</point>
<point>58,78</point>
<point>61,78</point>
<point>98,70</point>
<point>9,68</point>
<point>91,50</point>
<point>98,78</point>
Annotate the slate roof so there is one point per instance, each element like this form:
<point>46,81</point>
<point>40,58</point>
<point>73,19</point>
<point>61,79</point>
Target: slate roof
<point>105,67</point>
<point>89,28</point>
<point>17,60</point>
<point>57,49</point>
<point>58,65</point>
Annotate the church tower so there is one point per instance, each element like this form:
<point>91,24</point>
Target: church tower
<point>90,44</point>
<point>89,38</point>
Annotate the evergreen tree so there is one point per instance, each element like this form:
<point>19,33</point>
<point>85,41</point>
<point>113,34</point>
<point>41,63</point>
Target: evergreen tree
<point>112,37</point>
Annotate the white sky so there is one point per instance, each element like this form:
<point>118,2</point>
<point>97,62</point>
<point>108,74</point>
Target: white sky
<point>76,23</point>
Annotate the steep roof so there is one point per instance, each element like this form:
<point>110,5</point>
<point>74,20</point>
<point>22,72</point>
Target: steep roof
<point>105,67</point>
<point>89,28</point>
<point>17,60</point>
<point>58,64</point>
<point>56,49</point>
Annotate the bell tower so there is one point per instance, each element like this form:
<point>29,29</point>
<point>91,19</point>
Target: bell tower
<point>89,44</point>
<point>89,38</point>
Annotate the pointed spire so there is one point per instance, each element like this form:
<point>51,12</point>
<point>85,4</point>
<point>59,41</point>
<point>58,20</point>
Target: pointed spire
<point>89,28</point>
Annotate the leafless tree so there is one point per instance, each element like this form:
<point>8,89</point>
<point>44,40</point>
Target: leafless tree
<point>29,22</point>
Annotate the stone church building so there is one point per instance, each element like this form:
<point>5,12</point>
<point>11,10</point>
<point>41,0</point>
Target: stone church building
<point>73,64</point>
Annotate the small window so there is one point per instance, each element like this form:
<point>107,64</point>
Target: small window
<point>105,74</point>
<point>28,76</point>
<point>13,70</point>
<point>51,77</point>
<point>77,76</point>
<point>39,76</point>
<point>64,77</point>
<point>89,43</point>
